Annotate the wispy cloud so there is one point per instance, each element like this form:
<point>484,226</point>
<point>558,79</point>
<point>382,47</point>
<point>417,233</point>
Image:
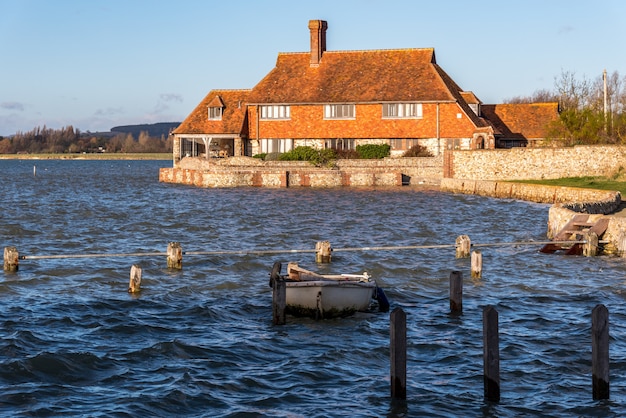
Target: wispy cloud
<point>171,97</point>
<point>110,111</point>
<point>165,99</point>
<point>12,106</point>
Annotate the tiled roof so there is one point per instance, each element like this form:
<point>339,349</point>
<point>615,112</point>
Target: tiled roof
<point>354,77</point>
<point>216,101</point>
<point>470,97</point>
<point>458,95</point>
<point>233,117</point>
<point>528,120</point>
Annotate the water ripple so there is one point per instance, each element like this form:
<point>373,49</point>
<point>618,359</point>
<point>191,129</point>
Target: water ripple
<point>200,342</point>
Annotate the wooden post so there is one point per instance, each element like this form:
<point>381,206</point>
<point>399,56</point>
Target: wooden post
<point>134,285</point>
<point>600,352</point>
<point>322,252</point>
<point>174,255</point>
<point>11,259</point>
<point>477,265</point>
<point>397,334</point>
<point>590,247</point>
<point>279,301</point>
<point>491,354</point>
<point>463,245</point>
<point>456,292</point>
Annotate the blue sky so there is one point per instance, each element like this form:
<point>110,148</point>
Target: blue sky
<point>97,64</point>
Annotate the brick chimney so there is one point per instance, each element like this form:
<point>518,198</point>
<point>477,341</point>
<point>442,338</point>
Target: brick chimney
<point>318,40</point>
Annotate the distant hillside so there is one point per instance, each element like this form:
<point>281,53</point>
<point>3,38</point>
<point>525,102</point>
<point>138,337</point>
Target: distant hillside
<point>154,130</point>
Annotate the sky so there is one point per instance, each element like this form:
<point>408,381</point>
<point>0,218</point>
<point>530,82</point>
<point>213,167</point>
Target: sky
<point>96,64</point>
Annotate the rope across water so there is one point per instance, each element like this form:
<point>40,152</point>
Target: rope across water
<point>293,251</point>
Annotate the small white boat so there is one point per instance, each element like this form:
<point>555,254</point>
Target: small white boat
<point>325,295</point>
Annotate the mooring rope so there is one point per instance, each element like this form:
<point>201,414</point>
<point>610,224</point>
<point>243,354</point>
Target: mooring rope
<point>40,257</point>
<point>293,251</point>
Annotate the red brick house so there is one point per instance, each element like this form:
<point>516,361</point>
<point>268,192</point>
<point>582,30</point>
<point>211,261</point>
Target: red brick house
<point>339,99</point>
<point>217,127</point>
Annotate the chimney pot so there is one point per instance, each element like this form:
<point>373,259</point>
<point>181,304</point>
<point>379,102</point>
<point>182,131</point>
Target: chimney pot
<point>318,40</point>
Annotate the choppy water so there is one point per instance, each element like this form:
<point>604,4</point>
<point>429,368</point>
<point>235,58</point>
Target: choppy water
<point>200,342</point>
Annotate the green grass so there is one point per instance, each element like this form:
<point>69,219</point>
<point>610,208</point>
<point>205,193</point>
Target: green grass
<point>588,182</point>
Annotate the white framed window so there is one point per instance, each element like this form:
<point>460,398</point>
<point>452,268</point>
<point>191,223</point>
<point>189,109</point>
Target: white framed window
<point>276,145</point>
<point>402,110</point>
<point>342,144</point>
<point>339,111</point>
<point>215,113</point>
<point>274,112</point>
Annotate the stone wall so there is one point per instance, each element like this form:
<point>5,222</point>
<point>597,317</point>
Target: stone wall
<point>535,163</point>
<point>247,171</point>
<point>574,198</point>
<point>500,164</point>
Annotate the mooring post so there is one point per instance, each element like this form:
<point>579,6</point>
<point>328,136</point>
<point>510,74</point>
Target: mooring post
<point>323,251</point>
<point>590,247</point>
<point>463,245</point>
<point>397,334</point>
<point>600,352</point>
<point>477,265</point>
<point>11,259</point>
<point>134,285</point>
<point>456,292</point>
<point>174,255</point>
<point>491,354</point>
<point>279,301</point>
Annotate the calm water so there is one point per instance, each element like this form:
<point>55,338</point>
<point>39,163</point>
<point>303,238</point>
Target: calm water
<point>200,342</point>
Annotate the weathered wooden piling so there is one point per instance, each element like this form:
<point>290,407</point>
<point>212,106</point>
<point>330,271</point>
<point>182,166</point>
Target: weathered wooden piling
<point>397,354</point>
<point>174,255</point>
<point>134,284</point>
<point>491,354</point>
<point>600,352</point>
<point>323,252</point>
<point>590,247</point>
<point>476,264</point>
<point>463,245</point>
<point>11,259</point>
<point>279,301</point>
<point>456,292</point>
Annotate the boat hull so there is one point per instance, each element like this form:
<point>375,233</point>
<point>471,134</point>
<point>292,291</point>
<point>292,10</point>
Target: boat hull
<point>328,298</point>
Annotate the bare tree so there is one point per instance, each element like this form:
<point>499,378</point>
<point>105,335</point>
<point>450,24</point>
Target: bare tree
<point>574,94</point>
<point>539,96</point>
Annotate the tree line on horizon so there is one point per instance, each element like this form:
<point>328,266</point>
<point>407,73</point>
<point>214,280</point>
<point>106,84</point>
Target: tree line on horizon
<point>585,118</point>
<point>68,140</point>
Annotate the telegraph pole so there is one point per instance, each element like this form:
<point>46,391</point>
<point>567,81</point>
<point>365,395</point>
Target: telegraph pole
<point>605,115</point>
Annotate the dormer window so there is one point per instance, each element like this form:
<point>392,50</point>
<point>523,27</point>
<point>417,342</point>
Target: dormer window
<point>215,113</point>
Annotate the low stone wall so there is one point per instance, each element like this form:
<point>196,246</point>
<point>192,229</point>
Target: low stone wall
<point>279,178</point>
<point>575,198</point>
<point>251,172</point>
